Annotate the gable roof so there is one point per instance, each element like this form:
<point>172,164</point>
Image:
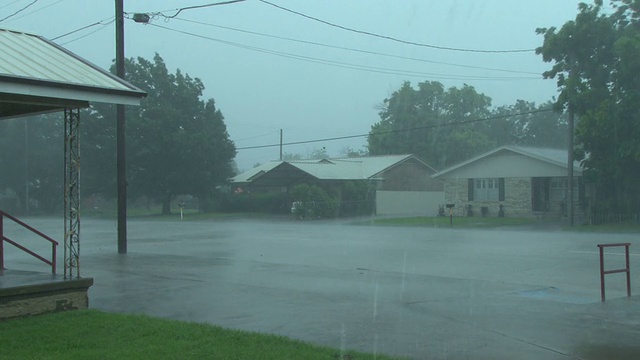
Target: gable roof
<point>37,75</point>
<point>556,157</point>
<point>362,168</point>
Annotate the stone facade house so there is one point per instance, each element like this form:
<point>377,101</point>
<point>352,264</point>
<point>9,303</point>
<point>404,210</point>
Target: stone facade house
<point>522,181</point>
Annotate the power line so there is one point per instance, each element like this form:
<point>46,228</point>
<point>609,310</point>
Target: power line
<point>257,136</point>
<point>19,11</point>
<point>349,65</point>
<point>101,22</point>
<point>464,122</point>
<point>356,50</point>
<point>393,38</point>
<point>112,19</point>
<point>9,4</point>
<point>90,33</point>
<point>197,7</point>
<point>35,11</point>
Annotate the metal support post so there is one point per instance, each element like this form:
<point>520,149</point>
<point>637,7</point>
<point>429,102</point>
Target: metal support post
<point>71,193</point>
<point>604,272</point>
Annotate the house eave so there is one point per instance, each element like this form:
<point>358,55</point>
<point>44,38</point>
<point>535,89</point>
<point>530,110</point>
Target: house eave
<point>59,90</point>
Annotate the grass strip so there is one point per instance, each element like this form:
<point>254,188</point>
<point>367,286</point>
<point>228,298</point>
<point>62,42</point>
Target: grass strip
<point>458,222</point>
<point>493,222</point>
<point>92,334</point>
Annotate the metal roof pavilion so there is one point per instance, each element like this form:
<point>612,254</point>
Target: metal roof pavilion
<point>38,76</point>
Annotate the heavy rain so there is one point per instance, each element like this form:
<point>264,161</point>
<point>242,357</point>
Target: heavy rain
<point>415,179</point>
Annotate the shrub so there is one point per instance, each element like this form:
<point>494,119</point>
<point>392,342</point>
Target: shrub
<point>313,202</point>
<point>268,202</point>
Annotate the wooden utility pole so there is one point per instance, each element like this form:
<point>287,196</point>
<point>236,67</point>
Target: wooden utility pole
<point>120,135</point>
<point>570,166</point>
<point>572,94</point>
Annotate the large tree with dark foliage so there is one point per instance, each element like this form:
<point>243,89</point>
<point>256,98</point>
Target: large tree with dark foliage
<point>433,123</point>
<point>527,124</point>
<point>447,126</point>
<point>177,143</point>
<point>32,162</point>
<point>596,61</point>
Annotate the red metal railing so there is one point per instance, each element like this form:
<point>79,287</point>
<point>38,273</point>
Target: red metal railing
<point>4,239</point>
<point>625,270</point>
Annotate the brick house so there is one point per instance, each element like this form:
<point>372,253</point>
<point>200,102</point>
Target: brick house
<point>526,181</point>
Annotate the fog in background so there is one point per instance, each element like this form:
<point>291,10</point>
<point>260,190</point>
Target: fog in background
<point>263,83</point>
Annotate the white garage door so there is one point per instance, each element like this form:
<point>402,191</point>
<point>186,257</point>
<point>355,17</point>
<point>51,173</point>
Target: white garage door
<point>424,203</point>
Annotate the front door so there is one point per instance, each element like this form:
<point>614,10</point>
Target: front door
<point>540,194</point>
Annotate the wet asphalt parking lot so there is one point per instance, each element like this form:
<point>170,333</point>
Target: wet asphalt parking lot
<point>423,293</point>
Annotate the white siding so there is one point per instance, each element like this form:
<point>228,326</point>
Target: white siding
<point>423,203</point>
<point>507,165</point>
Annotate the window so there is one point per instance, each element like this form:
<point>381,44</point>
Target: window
<point>558,188</point>
<point>486,190</point>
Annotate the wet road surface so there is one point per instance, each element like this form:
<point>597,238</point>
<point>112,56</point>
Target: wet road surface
<point>423,293</point>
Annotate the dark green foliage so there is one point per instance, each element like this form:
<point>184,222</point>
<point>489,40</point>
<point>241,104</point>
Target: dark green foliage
<point>537,129</point>
<point>596,61</point>
<point>445,127</point>
<point>177,143</point>
<point>358,198</point>
<point>311,202</point>
<point>39,166</point>
<point>427,122</point>
<point>305,201</point>
<point>98,151</point>
<point>269,202</point>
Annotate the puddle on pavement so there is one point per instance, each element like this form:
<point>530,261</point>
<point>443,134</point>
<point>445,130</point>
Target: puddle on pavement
<point>554,294</point>
<point>608,352</point>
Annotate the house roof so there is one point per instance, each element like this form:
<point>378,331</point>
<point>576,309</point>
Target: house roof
<point>361,168</point>
<point>555,157</point>
<point>37,75</point>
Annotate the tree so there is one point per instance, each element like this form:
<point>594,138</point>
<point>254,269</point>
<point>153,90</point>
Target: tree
<point>433,123</point>
<point>536,126</point>
<point>290,157</point>
<point>35,161</point>
<point>98,151</point>
<point>311,201</point>
<point>46,160</point>
<point>319,154</point>
<point>596,59</point>
<point>13,174</point>
<point>349,152</point>
<point>177,143</point>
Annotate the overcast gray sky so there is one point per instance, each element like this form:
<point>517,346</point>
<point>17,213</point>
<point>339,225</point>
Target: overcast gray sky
<point>312,91</point>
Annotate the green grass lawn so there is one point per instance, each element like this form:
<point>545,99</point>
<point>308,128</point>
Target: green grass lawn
<point>623,228</point>
<point>91,334</point>
<point>458,222</point>
<point>138,213</point>
<point>495,222</point>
